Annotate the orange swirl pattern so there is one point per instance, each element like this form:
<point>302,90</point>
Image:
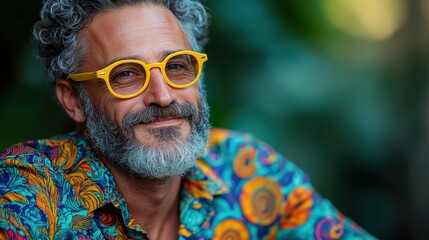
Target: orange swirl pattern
<point>231,229</point>
<point>261,200</point>
<point>244,163</point>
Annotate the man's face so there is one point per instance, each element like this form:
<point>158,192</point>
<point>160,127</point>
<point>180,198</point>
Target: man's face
<point>163,127</point>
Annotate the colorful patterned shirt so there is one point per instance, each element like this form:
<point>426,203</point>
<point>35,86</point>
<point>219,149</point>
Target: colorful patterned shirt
<point>57,188</point>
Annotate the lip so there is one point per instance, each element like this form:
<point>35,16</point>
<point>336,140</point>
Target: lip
<point>164,122</point>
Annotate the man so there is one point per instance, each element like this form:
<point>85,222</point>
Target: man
<point>144,163</point>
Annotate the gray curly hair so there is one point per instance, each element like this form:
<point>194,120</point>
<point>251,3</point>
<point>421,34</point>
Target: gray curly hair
<point>62,48</point>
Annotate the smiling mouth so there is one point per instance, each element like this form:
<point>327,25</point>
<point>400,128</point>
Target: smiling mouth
<point>164,121</point>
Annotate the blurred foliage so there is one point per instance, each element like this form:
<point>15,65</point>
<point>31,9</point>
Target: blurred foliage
<point>315,79</point>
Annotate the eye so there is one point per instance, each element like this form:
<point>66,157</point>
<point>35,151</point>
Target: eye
<point>123,77</point>
<point>176,66</point>
<point>124,74</point>
<point>127,73</point>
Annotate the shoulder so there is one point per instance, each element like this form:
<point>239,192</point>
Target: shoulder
<point>39,162</point>
<point>229,143</point>
<point>244,155</point>
<point>36,161</point>
<point>36,166</point>
<point>43,152</point>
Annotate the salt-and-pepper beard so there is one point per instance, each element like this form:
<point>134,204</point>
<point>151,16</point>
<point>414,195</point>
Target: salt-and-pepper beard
<point>169,156</point>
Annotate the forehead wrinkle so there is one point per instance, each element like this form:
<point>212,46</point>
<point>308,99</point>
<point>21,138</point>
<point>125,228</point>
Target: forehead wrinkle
<point>161,56</point>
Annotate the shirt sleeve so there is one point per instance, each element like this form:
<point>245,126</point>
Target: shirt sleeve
<point>304,213</point>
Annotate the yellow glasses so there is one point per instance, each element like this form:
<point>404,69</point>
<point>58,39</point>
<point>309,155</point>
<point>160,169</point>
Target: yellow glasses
<point>128,78</point>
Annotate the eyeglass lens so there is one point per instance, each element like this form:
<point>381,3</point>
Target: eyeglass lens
<point>129,78</point>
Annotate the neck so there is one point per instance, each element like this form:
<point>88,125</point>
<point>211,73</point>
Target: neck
<point>153,203</point>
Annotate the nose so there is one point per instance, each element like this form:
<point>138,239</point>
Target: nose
<point>158,91</point>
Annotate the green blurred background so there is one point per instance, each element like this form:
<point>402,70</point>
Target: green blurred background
<point>337,86</point>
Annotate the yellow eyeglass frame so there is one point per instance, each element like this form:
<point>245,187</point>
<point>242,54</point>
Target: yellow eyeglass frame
<point>105,72</point>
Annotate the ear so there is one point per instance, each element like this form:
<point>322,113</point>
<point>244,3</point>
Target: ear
<point>70,101</point>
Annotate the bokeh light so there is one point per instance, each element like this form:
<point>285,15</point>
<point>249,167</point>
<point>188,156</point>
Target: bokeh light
<point>367,19</point>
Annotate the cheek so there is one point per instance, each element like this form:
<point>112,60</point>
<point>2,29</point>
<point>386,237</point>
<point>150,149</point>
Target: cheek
<point>98,93</point>
<point>118,109</point>
<point>106,103</point>
<point>191,95</point>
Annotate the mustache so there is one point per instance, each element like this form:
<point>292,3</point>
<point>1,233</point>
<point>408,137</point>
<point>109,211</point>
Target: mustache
<point>155,113</point>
